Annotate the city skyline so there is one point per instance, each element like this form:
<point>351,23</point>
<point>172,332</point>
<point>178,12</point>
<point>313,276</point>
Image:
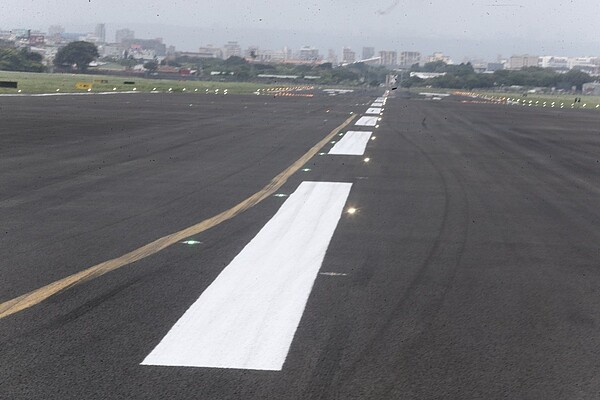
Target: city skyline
<point>126,44</point>
<point>475,29</point>
<point>273,40</point>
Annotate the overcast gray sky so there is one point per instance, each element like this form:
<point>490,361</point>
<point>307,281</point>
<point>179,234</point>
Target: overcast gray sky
<point>536,26</point>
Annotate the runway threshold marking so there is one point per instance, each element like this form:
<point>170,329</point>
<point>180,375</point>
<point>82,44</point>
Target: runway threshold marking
<point>373,110</point>
<point>353,143</point>
<point>38,295</point>
<point>367,121</point>
<point>247,318</point>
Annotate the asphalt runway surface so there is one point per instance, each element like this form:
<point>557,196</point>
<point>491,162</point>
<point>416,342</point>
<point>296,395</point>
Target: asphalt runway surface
<point>468,271</point>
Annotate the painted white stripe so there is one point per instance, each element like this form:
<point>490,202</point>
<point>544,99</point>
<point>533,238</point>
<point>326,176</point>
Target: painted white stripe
<point>380,99</point>
<point>373,110</point>
<point>248,316</point>
<point>367,121</point>
<point>376,104</point>
<point>64,94</point>
<point>353,143</point>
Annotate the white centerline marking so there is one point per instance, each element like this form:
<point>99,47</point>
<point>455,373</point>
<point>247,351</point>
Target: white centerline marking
<point>353,143</point>
<point>248,316</point>
<point>373,110</point>
<point>367,121</point>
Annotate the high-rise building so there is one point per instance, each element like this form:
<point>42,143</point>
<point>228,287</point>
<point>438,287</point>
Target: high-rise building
<point>209,51</point>
<point>388,58</point>
<point>308,53</point>
<point>408,58</point>
<point>520,62</point>
<point>439,56</point>
<point>55,30</point>
<point>124,34</point>
<point>145,46</point>
<point>332,57</point>
<point>348,56</point>
<point>368,52</point>
<point>232,49</point>
<point>100,33</point>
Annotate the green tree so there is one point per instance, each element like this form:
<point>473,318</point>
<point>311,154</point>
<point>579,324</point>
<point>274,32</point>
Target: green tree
<point>170,63</point>
<point>128,63</point>
<point>434,66</point>
<point>77,53</point>
<point>235,61</point>
<point>576,78</point>
<point>412,81</point>
<point>151,66</point>
<point>20,60</point>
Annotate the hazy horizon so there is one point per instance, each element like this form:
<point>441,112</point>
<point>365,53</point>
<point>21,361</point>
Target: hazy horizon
<point>461,28</point>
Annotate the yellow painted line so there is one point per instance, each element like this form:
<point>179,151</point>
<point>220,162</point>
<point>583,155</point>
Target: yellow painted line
<point>37,296</point>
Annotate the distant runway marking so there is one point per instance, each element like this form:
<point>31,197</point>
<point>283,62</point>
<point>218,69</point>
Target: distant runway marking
<point>380,99</point>
<point>63,94</point>
<point>367,121</point>
<point>333,274</point>
<point>374,110</point>
<point>353,143</point>
<point>377,104</point>
<point>37,296</point>
<point>247,318</point>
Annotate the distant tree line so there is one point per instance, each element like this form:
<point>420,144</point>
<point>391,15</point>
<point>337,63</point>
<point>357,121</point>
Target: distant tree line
<point>12,59</point>
<point>463,76</point>
<point>239,69</point>
<point>78,54</point>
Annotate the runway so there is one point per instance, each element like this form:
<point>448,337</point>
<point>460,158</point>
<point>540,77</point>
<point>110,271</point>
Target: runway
<point>425,250</point>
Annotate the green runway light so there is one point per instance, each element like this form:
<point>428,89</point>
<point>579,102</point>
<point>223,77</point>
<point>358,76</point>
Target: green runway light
<point>191,242</point>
